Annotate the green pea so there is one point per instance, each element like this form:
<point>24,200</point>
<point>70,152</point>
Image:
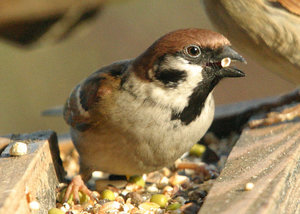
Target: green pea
<point>174,206</point>
<point>159,199</point>
<point>138,180</point>
<point>62,195</point>
<point>197,150</point>
<point>108,194</point>
<point>55,211</point>
<point>83,197</point>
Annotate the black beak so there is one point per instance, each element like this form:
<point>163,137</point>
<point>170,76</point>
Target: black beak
<point>228,52</point>
<point>230,72</point>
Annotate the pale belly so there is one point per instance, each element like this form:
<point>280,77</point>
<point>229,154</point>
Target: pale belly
<point>145,141</point>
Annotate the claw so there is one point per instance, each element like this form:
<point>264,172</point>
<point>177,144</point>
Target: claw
<point>74,187</point>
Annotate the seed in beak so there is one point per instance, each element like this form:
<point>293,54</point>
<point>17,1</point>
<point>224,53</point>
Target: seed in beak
<point>225,62</point>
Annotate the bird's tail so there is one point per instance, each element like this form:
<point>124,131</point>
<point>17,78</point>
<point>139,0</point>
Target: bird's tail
<point>53,111</point>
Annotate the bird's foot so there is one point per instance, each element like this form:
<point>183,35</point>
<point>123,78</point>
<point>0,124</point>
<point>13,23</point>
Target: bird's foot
<point>287,114</point>
<point>76,185</point>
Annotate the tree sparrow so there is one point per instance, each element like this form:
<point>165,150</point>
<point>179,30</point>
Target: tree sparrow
<point>140,115</point>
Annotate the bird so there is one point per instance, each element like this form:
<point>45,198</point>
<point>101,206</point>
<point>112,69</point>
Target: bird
<point>139,115</point>
<point>267,31</point>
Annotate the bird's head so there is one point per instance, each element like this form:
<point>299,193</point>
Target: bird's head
<point>185,53</point>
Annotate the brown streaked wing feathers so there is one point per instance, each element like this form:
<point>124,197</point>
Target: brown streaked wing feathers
<point>78,110</point>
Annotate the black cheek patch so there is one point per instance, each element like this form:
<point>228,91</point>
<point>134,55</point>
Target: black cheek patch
<point>170,77</point>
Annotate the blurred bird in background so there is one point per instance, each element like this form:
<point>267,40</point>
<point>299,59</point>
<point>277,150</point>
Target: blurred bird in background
<point>266,30</point>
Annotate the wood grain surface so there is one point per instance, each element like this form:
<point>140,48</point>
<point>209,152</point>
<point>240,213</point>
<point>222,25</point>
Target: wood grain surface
<point>268,157</point>
<point>33,176</point>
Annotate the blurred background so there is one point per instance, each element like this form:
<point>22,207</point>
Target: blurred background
<point>38,76</point>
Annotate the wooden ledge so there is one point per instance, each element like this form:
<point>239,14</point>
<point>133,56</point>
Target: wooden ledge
<point>32,177</point>
<point>268,157</point>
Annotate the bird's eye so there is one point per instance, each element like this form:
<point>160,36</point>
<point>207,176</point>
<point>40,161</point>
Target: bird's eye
<point>193,51</point>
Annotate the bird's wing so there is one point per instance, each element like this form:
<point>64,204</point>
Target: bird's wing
<point>79,110</point>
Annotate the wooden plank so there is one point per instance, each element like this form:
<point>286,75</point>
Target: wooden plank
<point>268,157</point>
<point>37,173</point>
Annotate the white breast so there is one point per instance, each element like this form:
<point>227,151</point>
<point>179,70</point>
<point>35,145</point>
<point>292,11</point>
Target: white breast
<point>160,139</point>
